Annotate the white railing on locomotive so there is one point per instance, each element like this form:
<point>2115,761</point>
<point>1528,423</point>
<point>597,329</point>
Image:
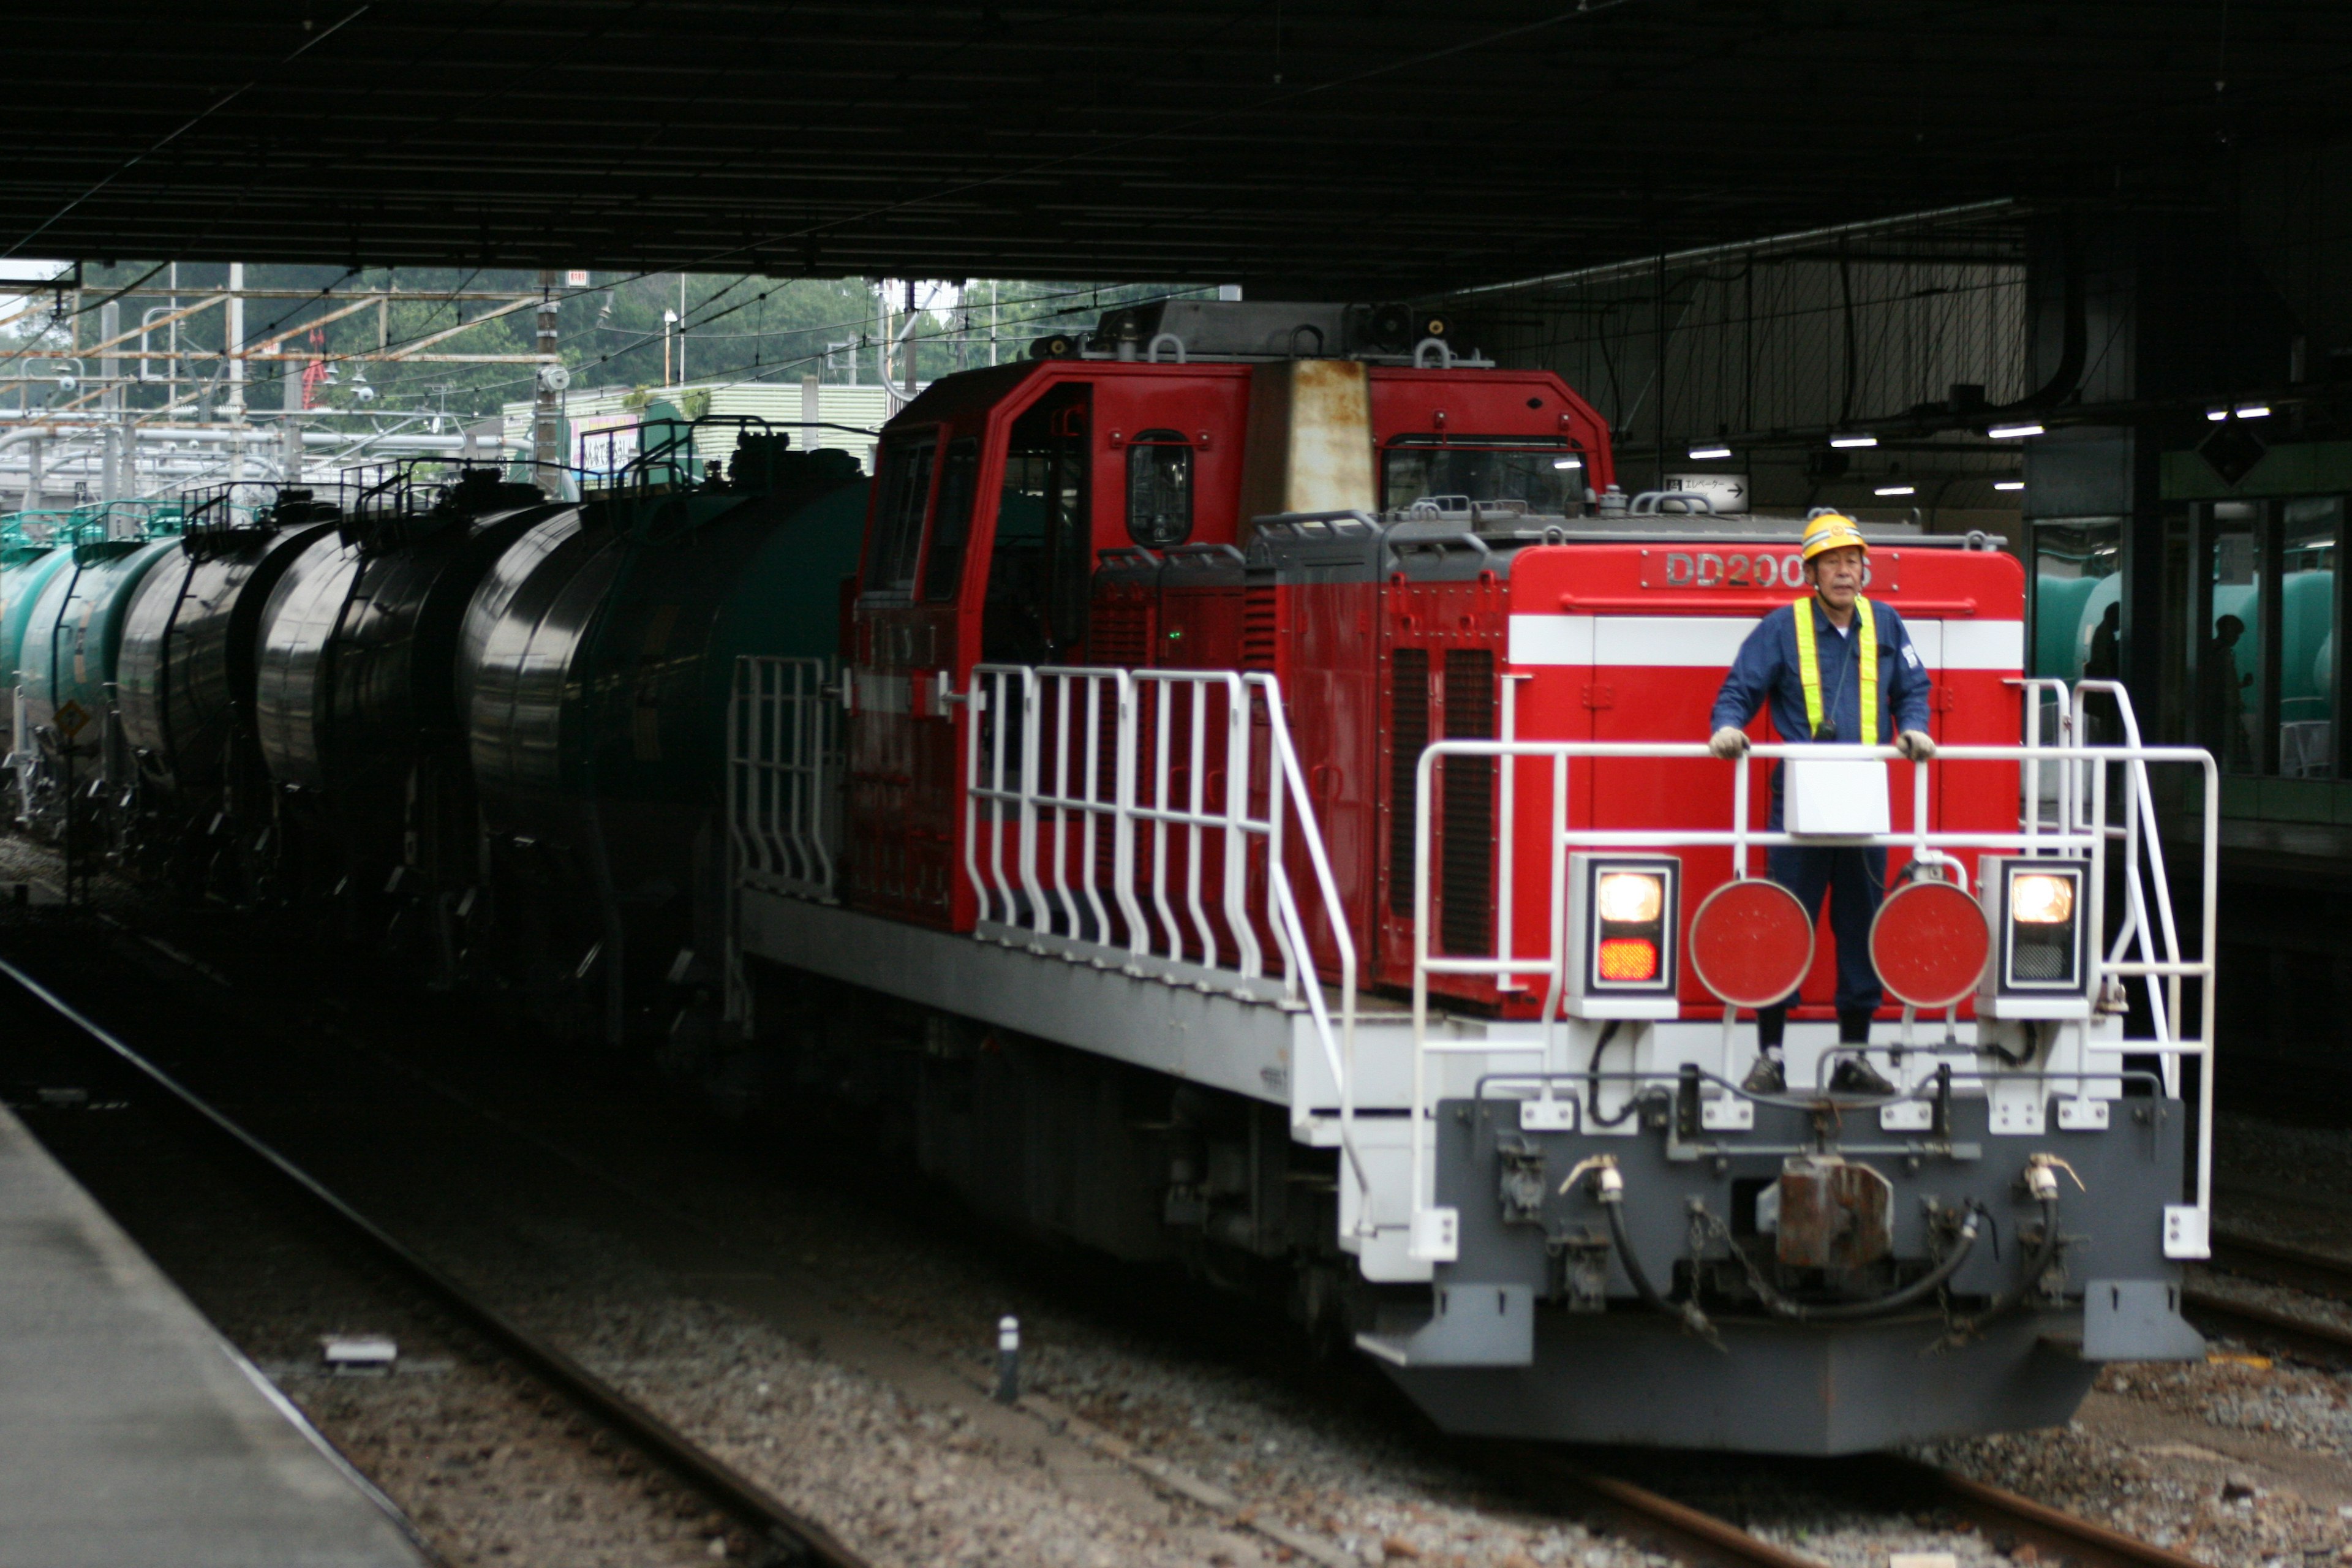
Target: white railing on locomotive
<point>1136,810</point>
<point>783,773</point>
<point>2088,838</point>
<point>1188,784</point>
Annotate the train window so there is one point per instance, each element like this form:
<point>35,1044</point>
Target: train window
<point>897,535</point>
<point>2313,529</point>
<point>2231,692</point>
<point>1545,476</point>
<point>952,529</point>
<point>1159,489</point>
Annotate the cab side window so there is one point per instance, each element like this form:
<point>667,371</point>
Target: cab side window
<point>952,529</point>
<point>896,538</point>
<point>1160,490</point>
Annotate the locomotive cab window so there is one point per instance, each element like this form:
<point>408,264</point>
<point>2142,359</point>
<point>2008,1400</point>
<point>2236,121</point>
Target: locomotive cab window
<point>952,529</point>
<point>1544,475</point>
<point>1039,570</point>
<point>905,490</point>
<point>1159,489</point>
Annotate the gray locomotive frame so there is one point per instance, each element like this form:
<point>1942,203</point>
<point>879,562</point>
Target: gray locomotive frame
<point>1498,1347</point>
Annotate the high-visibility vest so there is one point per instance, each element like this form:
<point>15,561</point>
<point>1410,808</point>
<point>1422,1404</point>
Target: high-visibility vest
<point>1808,668</point>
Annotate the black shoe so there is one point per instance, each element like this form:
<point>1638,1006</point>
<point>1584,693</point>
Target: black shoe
<point>1766,1077</point>
<point>1855,1076</point>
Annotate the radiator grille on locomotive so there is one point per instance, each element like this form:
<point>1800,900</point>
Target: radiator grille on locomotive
<point>1408,734</point>
<point>1467,863</point>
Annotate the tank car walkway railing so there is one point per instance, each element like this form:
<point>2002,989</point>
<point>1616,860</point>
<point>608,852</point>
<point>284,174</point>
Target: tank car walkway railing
<point>2083,830</point>
<point>1158,822</point>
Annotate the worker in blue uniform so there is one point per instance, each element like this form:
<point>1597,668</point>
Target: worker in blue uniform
<point>1823,664</point>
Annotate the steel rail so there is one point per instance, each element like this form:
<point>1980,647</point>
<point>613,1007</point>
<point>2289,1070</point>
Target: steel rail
<point>1641,1514</point>
<point>1701,1538</point>
<point>2306,1337</point>
<point>1993,1508</point>
<point>2277,1263</point>
<point>2281,1264</point>
<point>787,1536</point>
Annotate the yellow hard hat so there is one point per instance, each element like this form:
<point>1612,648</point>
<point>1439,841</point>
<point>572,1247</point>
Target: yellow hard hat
<point>1833,531</point>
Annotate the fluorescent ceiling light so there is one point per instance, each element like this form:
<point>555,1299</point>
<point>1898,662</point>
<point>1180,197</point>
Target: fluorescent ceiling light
<point>2009,484</point>
<point>2217,415</point>
<point>1853,440</point>
<point>1894,490</point>
<point>2255,411</point>
<point>2011,432</point>
<point>1567,462</point>
<point>1700,454</point>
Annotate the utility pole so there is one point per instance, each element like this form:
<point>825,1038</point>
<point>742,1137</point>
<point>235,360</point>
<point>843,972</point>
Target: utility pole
<point>547,398</point>
<point>290,426</point>
<point>233,346</point>
<point>110,402</point>
<point>810,407</point>
<point>907,368</point>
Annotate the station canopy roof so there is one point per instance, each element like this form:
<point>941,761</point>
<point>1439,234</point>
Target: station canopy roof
<point>1376,146</point>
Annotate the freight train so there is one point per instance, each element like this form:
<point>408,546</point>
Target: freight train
<point>1230,789</point>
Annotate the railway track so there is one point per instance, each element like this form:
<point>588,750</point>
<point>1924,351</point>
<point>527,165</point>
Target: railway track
<point>2276,1264</point>
<point>782,1538</point>
<point>1698,1537</point>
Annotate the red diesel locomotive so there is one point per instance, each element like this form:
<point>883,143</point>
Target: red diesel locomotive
<point>1261,811</point>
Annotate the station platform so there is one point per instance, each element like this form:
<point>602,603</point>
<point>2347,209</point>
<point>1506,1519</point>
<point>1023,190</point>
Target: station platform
<point>129,1430</point>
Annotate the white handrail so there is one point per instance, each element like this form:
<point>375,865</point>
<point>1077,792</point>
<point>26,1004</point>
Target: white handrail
<point>782,770</point>
<point>1051,899</point>
<point>2089,839</point>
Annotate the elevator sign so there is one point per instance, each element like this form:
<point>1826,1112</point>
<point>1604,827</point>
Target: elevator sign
<point>1764,569</point>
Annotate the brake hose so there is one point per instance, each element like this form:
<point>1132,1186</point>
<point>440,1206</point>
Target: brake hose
<point>1610,1188</point>
<point>2044,1253</point>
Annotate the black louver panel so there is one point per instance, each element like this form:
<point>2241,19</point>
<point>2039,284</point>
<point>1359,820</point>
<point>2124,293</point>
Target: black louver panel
<point>1467,869</point>
<point>1408,734</point>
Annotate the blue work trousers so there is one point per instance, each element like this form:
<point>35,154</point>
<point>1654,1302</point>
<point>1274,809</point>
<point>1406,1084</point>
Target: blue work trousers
<point>1854,880</point>
<point>1856,883</point>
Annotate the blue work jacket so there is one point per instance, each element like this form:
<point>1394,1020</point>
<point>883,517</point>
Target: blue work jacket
<point>1766,671</point>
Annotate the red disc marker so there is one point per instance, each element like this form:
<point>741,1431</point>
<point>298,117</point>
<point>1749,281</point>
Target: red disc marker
<point>1929,945</point>
<point>1750,944</point>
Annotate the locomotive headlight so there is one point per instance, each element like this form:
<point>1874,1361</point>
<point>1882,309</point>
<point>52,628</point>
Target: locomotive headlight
<point>2040,967</point>
<point>2040,900</point>
<point>1631,898</point>
<point>1622,914</point>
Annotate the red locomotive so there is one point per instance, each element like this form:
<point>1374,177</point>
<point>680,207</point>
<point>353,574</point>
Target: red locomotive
<point>1267,766</point>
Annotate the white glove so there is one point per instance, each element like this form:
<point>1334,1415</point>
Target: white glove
<point>1916,744</point>
<point>1728,742</point>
